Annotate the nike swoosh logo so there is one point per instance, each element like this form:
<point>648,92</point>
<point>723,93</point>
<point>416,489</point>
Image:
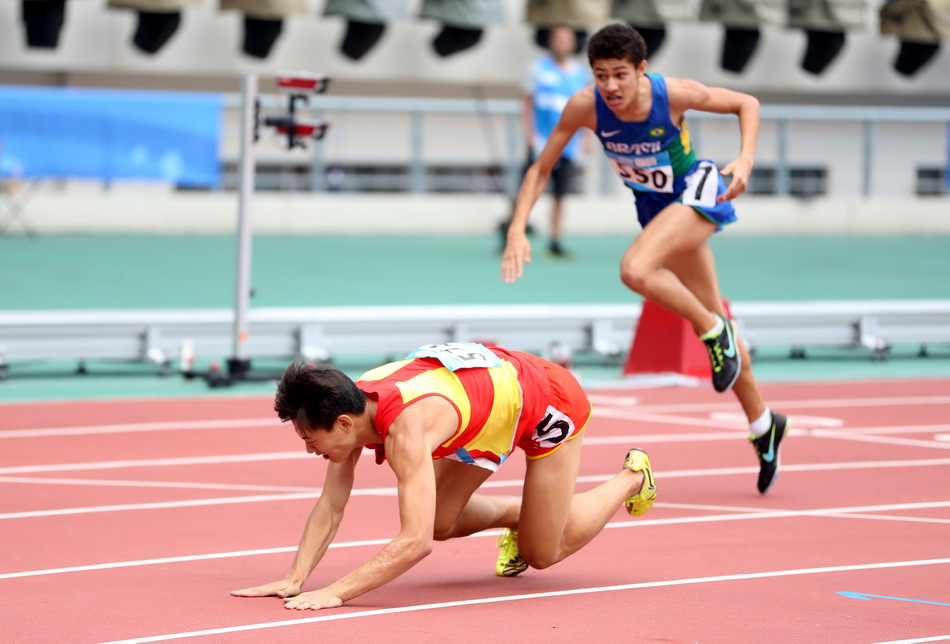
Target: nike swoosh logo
<point>607,135</point>
<point>768,457</point>
<point>731,351</point>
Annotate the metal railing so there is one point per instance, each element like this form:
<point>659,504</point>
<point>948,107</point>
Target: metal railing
<point>511,161</point>
<point>164,336</point>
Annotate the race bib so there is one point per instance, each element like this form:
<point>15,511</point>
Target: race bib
<point>553,429</point>
<point>650,172</point>
<point>458,355</point>
<point>702,185</point>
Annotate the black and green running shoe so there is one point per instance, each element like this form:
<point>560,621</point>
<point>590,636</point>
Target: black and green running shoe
<point>724,355</point>
<point>766,448</point>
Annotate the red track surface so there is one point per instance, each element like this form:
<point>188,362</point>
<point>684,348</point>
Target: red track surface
<point>862,505</point>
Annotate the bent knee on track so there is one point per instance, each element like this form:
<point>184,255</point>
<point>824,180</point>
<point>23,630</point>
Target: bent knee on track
<point>539,558</point>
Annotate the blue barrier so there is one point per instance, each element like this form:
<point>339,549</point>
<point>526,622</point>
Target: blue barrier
<point>110,134</point>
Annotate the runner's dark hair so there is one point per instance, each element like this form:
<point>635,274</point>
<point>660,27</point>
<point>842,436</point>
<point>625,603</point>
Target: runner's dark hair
<point>316,395</point>
<point>617,41</point>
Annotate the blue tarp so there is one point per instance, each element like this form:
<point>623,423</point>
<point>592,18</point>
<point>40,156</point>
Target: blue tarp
<point>110,134</point>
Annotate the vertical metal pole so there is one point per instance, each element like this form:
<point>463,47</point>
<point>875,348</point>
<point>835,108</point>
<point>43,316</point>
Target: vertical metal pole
<point>513,166</point>
<point>245,192</point>
<point>867,162</point>
<point>416,166</point>
<point>782,171</point>
<point>318,163</point>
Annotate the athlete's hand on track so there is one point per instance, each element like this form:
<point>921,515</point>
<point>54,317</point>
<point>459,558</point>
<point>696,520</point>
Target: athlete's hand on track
<point>282,588</point>
<point>740,171</point>
<point>314,600</point>
<point>517,254</point>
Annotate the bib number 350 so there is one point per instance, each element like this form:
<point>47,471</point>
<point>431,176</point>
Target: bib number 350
<point>655,179</point>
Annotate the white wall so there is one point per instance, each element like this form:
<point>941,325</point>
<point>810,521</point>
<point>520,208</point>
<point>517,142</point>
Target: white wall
<point>96,41</point>
<point>899,149</point>
<point>95,49</point>
<point>149,209</point>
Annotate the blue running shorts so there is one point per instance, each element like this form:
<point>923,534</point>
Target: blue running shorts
<point>649,204</point>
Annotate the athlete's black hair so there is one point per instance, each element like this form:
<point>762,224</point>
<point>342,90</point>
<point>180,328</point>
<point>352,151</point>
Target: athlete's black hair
<point>315,396</point>
<point>617,41</point>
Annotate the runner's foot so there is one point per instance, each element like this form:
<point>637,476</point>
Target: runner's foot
<point>766,449</point>
<point>509,561</point>
<point>638,461</point>
<point>724,355</point>
<point>556,251</point>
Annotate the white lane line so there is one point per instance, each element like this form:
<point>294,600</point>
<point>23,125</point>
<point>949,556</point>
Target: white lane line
<point>593,441</point>
<point>599,399</point>
<point>739,433</point>
<point>744,515</point>
<point>886,440</point>
<point>887,517</point>
<point>391,491</point>
<point>301,454</point>
<point>544,595</point>
<point>621,401</point>
<point>186,558</point>
<point>668,438</point>
<point>919,640</point>
<point>192,503</point>
<point>153,562</point>
<point>123,428</point>
<point>782,405</point>
<point>888,429</point>
<point>846,433</point>
<point>157,462</point>
<point>800,420</point>
<point>638,415</point>
<point>790,467</point>
<point>837,515</point>
<point>713,508</point>
<point>218,398</point>
<point>186,485</point>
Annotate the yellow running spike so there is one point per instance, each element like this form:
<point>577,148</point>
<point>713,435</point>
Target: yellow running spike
<point>638,461</point>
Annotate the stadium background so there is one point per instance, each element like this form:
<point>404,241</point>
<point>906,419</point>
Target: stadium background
<point>131,502</point>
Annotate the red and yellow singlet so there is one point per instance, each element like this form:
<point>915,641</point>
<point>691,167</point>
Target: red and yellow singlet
<point>519,400</point>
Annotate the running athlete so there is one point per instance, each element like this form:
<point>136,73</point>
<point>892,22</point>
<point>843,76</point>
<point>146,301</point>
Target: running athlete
<point>551,81</point>
<point>445,419</point>
<point>681,200</point>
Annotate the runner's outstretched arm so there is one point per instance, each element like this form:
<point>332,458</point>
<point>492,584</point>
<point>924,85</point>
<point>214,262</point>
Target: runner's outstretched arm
<point>318,533</point>
<point>693,95</point>
<point>578,113</point>
<point>410,456</point>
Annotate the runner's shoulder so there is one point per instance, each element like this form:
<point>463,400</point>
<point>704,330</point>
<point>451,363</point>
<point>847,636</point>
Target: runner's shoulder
<point>581,109</point>
<point>685,93</point>
<point>583,99</point>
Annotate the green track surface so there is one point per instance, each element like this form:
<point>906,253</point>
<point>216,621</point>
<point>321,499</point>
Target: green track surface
<point>134,272</point>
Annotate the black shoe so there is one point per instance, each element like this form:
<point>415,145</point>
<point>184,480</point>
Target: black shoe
<point>557,251</point>
<point>724,356</point>
<point>766,448</point>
